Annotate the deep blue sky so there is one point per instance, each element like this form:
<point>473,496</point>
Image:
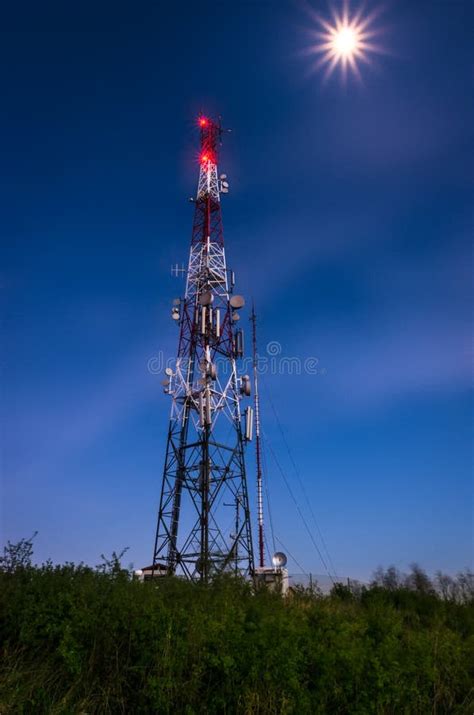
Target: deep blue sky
<point>348,222</point>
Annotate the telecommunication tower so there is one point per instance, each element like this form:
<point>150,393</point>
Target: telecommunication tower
<point>204,525</point>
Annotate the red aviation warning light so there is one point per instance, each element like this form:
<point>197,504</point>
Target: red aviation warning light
<point>207,157</point>
<point>211,134</point>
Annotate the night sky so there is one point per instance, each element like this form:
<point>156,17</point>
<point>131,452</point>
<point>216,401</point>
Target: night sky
<point>349,222</point>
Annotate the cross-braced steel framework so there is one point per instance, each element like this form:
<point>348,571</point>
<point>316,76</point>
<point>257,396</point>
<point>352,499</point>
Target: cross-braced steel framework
<point>204,517</point>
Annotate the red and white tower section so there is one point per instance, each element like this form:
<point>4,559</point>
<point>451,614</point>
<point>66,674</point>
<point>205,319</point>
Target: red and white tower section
<point>204,523</point>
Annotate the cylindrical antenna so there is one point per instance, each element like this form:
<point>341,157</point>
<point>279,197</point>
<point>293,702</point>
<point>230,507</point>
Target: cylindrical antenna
<point>261,546</point>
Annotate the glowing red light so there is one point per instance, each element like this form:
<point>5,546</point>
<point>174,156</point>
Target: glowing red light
<point>203,122</point>
<point>204,158</point>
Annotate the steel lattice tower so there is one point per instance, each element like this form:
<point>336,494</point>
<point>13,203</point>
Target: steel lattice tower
<point>204,517</point>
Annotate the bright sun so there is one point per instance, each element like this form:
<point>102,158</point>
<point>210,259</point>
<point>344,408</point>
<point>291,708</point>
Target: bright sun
<point>344,41</point>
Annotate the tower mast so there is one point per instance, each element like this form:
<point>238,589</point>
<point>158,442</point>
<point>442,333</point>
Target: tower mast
<point>258,454</point>
<point>204,469</point>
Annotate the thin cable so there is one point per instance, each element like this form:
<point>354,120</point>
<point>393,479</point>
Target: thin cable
<point>300,482</point>
<point>290,491</point>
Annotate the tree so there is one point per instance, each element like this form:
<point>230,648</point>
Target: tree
<point>390,579</point>
<point>17,556</point>
<point>418,580</point>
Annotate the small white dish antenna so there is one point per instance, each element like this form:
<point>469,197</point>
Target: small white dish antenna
<point>237,301</point>
<point>245,386</point>
<point>206,298</point>
<point>279,559</point>
<point>168,371</point>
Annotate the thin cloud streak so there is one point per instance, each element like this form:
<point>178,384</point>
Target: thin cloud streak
<point>47,437</point>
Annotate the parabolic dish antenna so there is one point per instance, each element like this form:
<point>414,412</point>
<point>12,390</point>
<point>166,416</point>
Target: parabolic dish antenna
<point>237,301</point>
<point>279,559</point>
<point>206,298</point>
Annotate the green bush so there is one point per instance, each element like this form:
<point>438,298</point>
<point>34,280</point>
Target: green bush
<point>82,640</point>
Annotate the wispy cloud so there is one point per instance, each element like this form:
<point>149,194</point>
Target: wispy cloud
<point>413,338</point>
<point>46,432</point>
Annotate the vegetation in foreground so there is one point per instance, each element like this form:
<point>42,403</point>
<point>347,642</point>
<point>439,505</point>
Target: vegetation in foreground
<point>81,640</point>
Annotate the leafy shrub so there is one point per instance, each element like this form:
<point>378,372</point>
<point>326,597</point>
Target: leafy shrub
<point>82,640</point>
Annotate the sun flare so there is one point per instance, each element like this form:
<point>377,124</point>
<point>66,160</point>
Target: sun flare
<point>343,41</point>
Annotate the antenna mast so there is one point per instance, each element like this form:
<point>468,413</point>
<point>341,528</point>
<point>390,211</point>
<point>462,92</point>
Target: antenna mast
<point>204,471</point>
<point>261,546</point>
